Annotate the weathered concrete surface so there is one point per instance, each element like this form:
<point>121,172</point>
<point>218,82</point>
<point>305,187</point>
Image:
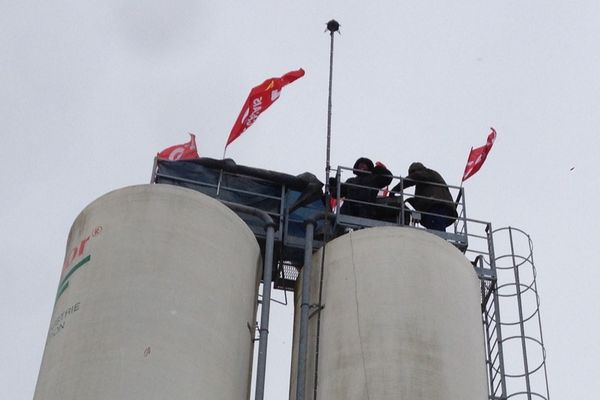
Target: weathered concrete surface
<point>401,320</point>
<point>161,308</point>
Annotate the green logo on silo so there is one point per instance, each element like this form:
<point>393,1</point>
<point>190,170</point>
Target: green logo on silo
<point>64,284</point>
<point>72,255</point>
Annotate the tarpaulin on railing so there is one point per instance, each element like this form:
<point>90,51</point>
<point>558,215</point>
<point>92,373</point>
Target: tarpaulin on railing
<point>266,190</point>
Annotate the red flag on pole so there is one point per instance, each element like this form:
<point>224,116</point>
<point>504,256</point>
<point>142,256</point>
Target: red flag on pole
<point>185,151</point>
<point>477,156</point>
<point>259,99</point>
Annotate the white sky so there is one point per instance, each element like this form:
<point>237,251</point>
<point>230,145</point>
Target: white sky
<point>90,91</point>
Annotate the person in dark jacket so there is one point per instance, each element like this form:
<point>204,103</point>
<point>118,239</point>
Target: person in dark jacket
<point>432,196</point>
<point>363,188</point>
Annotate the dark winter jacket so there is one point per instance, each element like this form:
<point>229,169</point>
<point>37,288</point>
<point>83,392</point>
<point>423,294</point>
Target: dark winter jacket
<point>430,190</point>
<point>363,187</point>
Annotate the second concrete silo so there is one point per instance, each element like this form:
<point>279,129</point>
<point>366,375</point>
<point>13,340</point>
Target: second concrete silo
<point>400,320</point>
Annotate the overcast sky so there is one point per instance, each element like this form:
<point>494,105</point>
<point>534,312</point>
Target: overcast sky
<point>90,91</point>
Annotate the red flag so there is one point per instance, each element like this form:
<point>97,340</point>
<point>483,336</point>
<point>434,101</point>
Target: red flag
<point>185,151</point>
<point>259,99</point>
<point>332,203</point>
<point>477,156</point>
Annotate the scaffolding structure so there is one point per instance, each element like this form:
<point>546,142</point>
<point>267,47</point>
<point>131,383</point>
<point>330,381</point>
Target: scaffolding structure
<point>507,277</point>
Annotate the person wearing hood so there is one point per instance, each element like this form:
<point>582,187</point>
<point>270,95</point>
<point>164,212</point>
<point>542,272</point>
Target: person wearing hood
<point>362,188</point>
<point>432,196</point>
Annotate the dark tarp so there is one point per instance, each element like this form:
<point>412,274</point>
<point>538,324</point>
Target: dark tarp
<point>299,182</point>
<point>254,187</point>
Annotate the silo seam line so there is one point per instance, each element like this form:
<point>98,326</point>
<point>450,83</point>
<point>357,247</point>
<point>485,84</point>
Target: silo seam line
<point>362,353</point>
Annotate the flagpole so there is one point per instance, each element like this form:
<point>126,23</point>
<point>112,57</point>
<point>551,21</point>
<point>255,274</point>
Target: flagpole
<point>332,26</point>
<point>460,196</point>
<point>221,173</point>
<point>462,180</point>
<point>463,177</point>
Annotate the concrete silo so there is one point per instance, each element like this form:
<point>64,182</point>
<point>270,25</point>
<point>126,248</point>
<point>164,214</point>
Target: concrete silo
<point>157,299</point>
<point>401,319</point>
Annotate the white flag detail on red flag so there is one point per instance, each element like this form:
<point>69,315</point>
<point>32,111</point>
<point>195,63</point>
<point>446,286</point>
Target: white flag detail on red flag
<point>259,99</point>
<point>185,151</point>
<point>477,156</point>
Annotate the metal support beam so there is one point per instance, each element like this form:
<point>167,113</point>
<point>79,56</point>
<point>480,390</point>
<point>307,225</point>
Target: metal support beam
<point>266,295</point>
<point>304,309</point>
<point>264,315</point>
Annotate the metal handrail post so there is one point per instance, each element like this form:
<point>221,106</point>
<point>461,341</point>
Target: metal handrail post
<point>338,191</point>
<point>402,205</point>
<point>264,314</point>
<point>154,169</point>
<point>464,213</point>
<point>304,310</point>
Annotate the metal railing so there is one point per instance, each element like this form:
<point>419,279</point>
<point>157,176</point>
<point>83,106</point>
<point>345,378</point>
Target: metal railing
<point>266,196</point>
<point>393,208</point>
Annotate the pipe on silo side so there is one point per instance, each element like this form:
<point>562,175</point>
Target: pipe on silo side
<point>304,310</point>
<point>157,300</point>
<point>263,328</point>
<point>401,320</point>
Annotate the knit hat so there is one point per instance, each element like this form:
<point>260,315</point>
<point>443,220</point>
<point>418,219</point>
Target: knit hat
<point>364,160</point>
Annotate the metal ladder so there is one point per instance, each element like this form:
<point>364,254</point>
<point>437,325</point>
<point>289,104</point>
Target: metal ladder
<point>522,341</point>
<point>493,340</point>
<point>490,316</point>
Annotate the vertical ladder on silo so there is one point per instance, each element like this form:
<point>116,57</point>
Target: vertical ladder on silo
<point>493,340</point>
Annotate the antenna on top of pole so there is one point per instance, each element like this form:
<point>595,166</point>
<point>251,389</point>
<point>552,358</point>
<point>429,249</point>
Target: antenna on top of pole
<point>332,26</point>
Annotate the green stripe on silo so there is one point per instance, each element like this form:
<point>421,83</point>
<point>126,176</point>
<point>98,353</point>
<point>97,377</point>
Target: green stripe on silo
<point>65,284</point>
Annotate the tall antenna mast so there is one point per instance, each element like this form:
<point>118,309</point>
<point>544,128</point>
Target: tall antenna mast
<point>332,26</point>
